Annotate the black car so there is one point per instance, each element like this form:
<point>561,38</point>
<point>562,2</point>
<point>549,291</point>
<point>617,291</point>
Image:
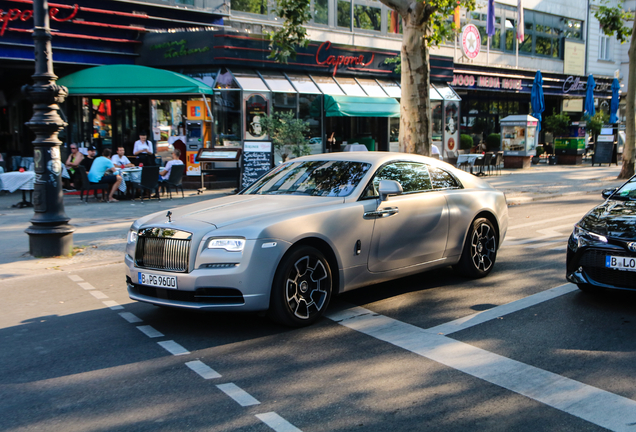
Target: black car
<point>602,248</point>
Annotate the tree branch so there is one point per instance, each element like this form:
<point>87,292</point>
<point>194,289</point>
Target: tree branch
<point>402,7</point>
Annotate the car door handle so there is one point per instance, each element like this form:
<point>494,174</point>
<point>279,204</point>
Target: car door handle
<point>382,213</point>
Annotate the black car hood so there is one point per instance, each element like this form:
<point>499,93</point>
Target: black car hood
<point>613,218</point>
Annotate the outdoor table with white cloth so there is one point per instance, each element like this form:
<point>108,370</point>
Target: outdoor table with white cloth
<point>132,174</point>
<point>471,158</point>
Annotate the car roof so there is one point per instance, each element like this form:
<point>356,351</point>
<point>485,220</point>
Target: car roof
<point>374,157</point>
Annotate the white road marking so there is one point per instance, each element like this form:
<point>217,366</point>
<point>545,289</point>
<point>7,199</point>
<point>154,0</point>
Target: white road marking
<point>205,371</point>
<point>150,331</point>
<point>98,294</point>
<point>560,248</point>
<point>112,304</point>
<point>131,318</point>
<point>242,397</point>
<point>75,278</point>
<point>597,406</point>
<point>544,221</point>
<point>496,312</point>
<point>173,348</point>
<point>86,286</point>
<point>544,244</point>
<point>277,423</point>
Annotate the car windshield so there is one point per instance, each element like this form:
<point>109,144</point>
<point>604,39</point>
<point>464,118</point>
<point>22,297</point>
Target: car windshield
<point>627,192</point>
<point>314,178</point>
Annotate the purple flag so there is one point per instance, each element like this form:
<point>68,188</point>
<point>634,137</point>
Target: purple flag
<point>490,23</point>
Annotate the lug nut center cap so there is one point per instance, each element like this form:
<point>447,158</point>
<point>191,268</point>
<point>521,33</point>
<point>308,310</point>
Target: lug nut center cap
<point>480,247</point>
<point>304,286</point>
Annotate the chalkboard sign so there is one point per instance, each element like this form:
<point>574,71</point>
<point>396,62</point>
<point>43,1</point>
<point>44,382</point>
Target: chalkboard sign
<point>603,152</point>
<point>257,160</point>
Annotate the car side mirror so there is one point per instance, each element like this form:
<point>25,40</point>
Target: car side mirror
<point>389,187</point>
<point>607,193</point>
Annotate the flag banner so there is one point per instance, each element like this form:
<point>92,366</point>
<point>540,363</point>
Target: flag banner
<point>490,23</point>
<point>520,24</point>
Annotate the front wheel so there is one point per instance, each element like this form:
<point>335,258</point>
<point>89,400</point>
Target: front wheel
<point>302,287</point>
<point>480,250</point>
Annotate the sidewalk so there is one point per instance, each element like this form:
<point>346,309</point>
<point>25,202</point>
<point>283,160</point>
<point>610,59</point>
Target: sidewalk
<point>101,228</point>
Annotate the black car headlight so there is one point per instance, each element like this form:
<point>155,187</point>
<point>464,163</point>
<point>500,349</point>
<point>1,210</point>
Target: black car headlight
<point>583,237</point>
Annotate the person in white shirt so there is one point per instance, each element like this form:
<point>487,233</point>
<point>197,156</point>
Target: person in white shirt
<point>435,151</point>
<point>165,173</point>
<point>120,160</point>
<point>143,150</point>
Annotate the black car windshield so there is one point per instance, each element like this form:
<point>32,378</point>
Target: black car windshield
<point>314,178</point>
<point>627,192</point>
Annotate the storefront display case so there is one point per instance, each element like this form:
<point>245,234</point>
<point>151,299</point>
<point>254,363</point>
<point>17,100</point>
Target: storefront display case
<point>518,140</point>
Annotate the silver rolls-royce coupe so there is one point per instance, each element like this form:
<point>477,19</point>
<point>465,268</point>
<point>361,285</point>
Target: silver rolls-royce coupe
<point>314,227</point>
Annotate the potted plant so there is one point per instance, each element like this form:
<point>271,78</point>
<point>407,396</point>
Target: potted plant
<point>595,123</point>
<point>559,126</point>
<point>287,134</point>
<point>465,142</point>
<point>493,142</point>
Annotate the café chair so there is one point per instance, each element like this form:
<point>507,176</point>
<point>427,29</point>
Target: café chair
<point>174,180</point>
<point>87,186</point>
<point>496,162</point>
<point>484,163</point>
<point>149,182</point>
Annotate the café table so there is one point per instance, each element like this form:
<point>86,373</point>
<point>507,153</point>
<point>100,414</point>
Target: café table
<point>132,174</point>
<point>24,181</point>
<point>469,158</point>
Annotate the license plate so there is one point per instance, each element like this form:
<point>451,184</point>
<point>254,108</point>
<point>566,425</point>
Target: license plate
<point>169,282</point>
<point>620,263</point>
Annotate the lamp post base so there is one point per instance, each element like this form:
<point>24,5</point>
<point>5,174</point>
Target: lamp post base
<point>50,241</point>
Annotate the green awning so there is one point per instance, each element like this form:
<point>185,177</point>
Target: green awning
<point>361,106</point>
<point>131,80</point>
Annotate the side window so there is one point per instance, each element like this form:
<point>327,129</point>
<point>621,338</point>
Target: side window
<point>441,179</point>
<point>412,176</point>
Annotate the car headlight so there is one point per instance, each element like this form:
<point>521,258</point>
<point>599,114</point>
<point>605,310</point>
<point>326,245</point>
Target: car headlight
<point>229,244</point>
<point>132,236</point>
<point>582,236</point>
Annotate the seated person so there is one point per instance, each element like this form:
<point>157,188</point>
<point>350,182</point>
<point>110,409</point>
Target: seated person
<point>103,171</point>
<point>143,150</point>
<point>120,160</point>
<point>73,160</point>
<point>165,173</point>
<point>87,162</point>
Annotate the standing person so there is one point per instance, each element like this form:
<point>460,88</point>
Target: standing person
<point>143,150</point>
<point>120,160</point>
<point>103,171</point>
<point>72,162</point>
<point>165,173</point>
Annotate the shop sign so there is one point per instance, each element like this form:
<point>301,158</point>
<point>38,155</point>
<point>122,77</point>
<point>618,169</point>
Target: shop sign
<point>486,82</point>
<point>576,84</point>
<point>340,60</point>
<point>25,15</point>
<point>471,41</point>
<point>255,110</point>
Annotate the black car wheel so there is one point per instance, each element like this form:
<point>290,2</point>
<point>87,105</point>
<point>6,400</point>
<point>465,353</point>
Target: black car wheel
<point>302,287</point>
<point>480,250</point>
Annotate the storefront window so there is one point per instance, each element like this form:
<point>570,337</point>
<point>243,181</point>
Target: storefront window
<point>436,111</point>
<point>310,111</point>
<point>321,12</point>
<point>249,80</point>
<point>284,102</point>
<point>367,17</point>
<point>227,117</point>
<point>251,6</point>
<point>344,13</point>
<point>393,22</point>
<point>327,85</point>
<point>226,80</point>
<point>350,86</point>
<point>167,118</point>
<point>102,121</point>
<point>277,82</point>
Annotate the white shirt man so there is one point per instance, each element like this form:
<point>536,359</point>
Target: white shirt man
<point>120,159</point>
<point>165,173</point>
<point>435,151</point>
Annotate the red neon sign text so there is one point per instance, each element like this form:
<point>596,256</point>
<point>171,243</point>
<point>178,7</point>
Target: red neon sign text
<point>340,60</point>
<point>17,14</point>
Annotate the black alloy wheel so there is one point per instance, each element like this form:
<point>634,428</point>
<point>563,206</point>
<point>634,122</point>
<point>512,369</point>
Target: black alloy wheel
<point>480,250</point>
<point>302,287</point>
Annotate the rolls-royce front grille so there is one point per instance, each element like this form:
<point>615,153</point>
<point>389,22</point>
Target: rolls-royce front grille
<point>163,253</point>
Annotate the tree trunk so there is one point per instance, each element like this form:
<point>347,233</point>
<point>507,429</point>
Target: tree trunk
<point>415,107</point>
<point>630,122</point>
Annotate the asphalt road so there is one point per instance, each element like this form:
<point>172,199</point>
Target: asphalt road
<point>407,355</point>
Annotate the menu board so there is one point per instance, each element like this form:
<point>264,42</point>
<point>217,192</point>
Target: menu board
<point>604,150</point>
<point>257,160</point>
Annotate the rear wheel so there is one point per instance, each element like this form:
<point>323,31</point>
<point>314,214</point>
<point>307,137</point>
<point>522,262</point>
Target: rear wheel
<point>302,287</point>
<point>480,250</point>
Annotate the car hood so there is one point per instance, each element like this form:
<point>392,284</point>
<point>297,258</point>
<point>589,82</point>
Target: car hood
<point>613,219</point>
<point>221,212</point>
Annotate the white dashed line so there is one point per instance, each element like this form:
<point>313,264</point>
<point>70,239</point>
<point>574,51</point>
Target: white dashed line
<point>150,331</point>
<point>277,423</point>
<point>112,304</point>
<point>496,312</point>
<point>131,318</point>
<point>86,285</point>
<point>75,278</point>
<point>242,397</point>
<point>205,371</point>
<point>173,348</point>
<point>98,295</point>
<point>597,406</point>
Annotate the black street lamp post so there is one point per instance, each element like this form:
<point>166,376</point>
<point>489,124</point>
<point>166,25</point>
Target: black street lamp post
<point>49,233</point>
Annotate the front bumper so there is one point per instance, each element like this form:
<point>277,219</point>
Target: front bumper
<point>245,286</point>
<point>586,265</point>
